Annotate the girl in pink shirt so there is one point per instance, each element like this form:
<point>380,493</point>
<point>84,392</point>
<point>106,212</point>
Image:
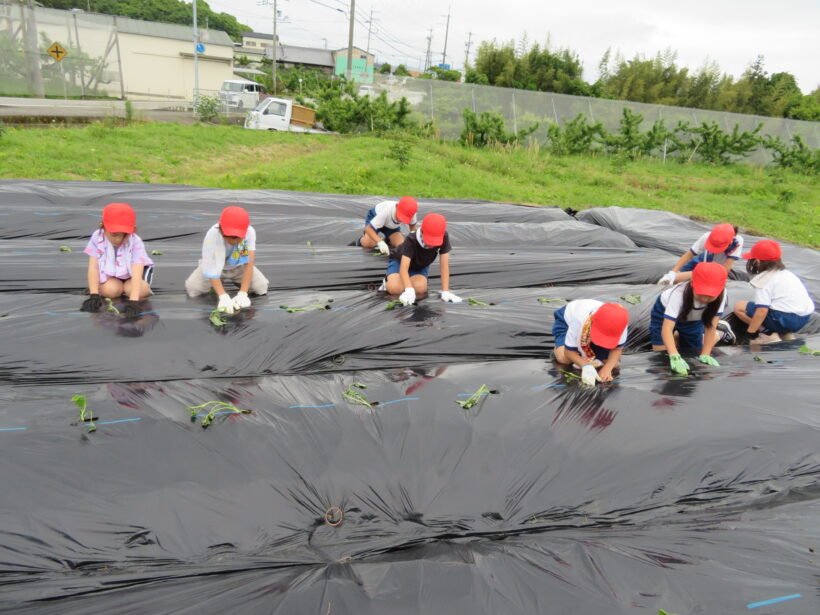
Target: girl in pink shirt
<point>118,263</point>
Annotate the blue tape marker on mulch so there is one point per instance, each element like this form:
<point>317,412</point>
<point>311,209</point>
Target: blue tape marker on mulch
<point>754,605</point>
<point>119,421</point>
<point>395,401</point>
<point>322,406</point>
<point>12,428</point>
<point>469,394</point>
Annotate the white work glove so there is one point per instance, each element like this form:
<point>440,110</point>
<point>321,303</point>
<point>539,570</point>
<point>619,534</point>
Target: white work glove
<point>668,278</point>
<point>446,295</point>
<point>241,300</point>
<point>408,297</point>
<point>225,304</point>
<point>383,248</point>
<point>589,375</point>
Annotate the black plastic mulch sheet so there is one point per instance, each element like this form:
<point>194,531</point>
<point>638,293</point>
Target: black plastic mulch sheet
<point>695,494</point>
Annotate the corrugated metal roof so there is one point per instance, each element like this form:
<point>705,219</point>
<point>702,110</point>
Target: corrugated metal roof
<point>131,26</point>
<point>304,55</point>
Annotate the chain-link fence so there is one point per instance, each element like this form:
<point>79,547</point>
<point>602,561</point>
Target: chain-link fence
<point>57,53</point>
<point>444,102</point>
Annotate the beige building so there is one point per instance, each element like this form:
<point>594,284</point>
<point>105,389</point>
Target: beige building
<point>120,57</point>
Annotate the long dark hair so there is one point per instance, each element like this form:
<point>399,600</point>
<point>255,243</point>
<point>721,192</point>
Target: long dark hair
<point>709,312</point>
<point>754,266</point>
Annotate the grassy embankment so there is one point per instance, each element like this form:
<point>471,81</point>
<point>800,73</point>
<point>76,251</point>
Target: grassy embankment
<point>779,204</point>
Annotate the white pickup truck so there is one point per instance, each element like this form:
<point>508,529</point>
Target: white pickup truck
<point>283,114</point>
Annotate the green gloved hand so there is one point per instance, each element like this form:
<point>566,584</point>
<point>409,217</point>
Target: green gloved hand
<point>678,365</point>
<point>709,360</point>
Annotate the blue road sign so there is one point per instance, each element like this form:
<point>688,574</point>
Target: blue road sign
<point>200,48</point>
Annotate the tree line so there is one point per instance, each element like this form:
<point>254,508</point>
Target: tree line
<point>164,11</point>
<point>655,80</point>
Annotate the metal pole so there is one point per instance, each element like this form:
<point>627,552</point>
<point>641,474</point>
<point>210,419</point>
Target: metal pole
<point>196,57</point>
<point>273,48</point>
<point>119,59</point>
<point>369,29</point>
<point>515,120</point>
<point>446,34</point>
<point>350,39</point>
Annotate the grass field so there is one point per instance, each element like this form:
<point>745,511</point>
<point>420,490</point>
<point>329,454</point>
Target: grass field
<point>769,202</point>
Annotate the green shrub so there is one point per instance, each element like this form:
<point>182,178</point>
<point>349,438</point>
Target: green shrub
<point>400,151</point>
<point>797,156</point>
<point>577,136</point>
<point>207,108</point>
<point>630,142</point>
<point>488,129</point>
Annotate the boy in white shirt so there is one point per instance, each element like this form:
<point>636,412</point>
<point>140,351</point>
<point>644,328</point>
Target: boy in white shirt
<point>386,219</point>
<point>228,253</point>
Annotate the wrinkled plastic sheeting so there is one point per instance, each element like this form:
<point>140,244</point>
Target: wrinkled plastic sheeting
<point>690,494</point>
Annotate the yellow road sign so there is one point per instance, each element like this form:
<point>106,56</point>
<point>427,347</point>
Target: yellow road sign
<point>57,51</point>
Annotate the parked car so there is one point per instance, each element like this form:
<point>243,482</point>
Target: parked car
<point>241,94</point>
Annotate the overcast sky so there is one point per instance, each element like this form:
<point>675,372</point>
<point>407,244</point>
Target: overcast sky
<point>729,32</point>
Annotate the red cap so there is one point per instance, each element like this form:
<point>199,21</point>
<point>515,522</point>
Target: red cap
<point>406,208</point>
<point>720,238</point>
<point>765,250</point>
<point>608,324</point>
<point>433,228</point>
<point>234,222</point>
<point>709,279</point>
<point>119,218</point>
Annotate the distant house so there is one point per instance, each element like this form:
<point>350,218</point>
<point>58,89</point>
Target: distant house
<point>257,45</point>
<point>122,57</point>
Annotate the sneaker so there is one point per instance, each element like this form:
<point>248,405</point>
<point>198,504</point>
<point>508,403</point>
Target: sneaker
<point>384,284</point>
<point>725,333</point>
<point>768,338</point>
<point>788,337</point>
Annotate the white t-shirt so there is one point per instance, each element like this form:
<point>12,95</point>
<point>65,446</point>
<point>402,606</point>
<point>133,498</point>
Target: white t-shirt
<point>385,216</point>
<point>672,301</point>
<point>734,251</point>
<point>218,255</point>
<point>576,314</point>
<point>782,291</point>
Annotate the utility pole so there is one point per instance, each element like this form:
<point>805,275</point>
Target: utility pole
<point>467,55</point>
<point>369,29</point>
<point>273,48</point>
<point>427,57</point>
<point>446,33</point>
<point>350,38</point>
<point>196,57</point>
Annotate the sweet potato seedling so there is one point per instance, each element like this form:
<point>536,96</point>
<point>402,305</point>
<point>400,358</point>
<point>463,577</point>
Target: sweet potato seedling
<point>211,408</point>
<point>804,349</point>
<point>631,299</point>
<point>65,249</point>
<point>472,301</point>
<point>474,398</point>
<point>110,307</point>
<point>354,397</point>
<point>82,404</point>
<point>217,318</point>
<point>157,252</point>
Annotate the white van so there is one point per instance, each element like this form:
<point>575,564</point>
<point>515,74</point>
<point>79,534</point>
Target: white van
<point>241,94</point>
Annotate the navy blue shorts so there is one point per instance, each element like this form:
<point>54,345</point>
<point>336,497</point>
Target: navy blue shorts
<point>777,321</point>
<point>394,266</point>
<point>559,332</point>
<point>690,332</point>
<point>383,230</point>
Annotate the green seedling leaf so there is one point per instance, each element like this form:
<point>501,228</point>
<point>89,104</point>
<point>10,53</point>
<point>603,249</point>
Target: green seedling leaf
<point>757,358</point>
<point>354,397</point>
<point>312,306</point>
<point>472,301</point>
<point>80,402</point>
<point>392,305</point>
<point>157,252</point>
<point>217,318</point>
<point>110,306</point>
<point>474,398</point>
<point>548,300</point>
<point>65,249</point>
<point>569,374</point>
<point>211,408</point>
<point>804,349</point>
<point>631,299</point>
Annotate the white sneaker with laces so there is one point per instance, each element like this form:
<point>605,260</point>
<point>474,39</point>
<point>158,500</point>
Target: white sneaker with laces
<point>725,333</point>
<point>384,284</point>
<point>768,338</point>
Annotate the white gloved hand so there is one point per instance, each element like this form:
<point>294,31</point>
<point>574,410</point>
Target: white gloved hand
<point>589,375</point>
<point>668,278</point>
<point>408,297</point>
<point>382,246</point>
<point>241,300</point>
<point>446,295</point>
<point>225,304</point>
